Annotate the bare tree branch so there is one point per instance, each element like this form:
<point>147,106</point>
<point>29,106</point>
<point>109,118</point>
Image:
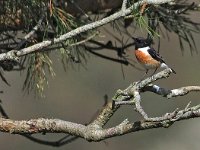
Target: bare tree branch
<point>95,130</point>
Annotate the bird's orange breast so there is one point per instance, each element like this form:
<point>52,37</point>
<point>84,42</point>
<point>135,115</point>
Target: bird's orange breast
<point>146,59</point>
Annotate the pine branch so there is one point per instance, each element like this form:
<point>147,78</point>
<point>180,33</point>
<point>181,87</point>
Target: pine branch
<point>39,46</point>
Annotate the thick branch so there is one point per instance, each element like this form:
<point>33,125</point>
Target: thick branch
<point>95,131</point>
<point>42,125</point>
<point>105,115</point>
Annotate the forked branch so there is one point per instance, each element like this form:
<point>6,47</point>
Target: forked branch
<point>95,131</point>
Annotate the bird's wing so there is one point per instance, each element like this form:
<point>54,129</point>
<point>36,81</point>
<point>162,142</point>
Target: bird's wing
<point>155,55</point>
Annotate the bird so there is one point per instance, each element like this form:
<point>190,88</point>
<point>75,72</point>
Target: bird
<point>147,56</point>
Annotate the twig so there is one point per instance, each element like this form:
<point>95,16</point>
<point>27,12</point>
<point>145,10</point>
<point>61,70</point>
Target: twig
<point>170,93</point>
<point>85,40</point>
<point>137,87</point>
<point>124,5</point>
<point>30,34</point>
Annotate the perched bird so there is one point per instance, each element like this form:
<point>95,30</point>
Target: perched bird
<point>147,56</point>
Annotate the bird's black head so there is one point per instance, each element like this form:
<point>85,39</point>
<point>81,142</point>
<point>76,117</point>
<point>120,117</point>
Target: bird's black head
<point>141,42</point>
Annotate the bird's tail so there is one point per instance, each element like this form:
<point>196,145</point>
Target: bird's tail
<point>173,71</point>
<point>163,65</point>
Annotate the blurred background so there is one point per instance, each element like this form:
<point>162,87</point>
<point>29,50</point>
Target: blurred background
<point>78,93</point>
<point>75,95</point>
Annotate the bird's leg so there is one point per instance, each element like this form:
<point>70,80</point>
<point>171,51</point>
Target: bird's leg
<point>144,75</point>
<point>154,71</point>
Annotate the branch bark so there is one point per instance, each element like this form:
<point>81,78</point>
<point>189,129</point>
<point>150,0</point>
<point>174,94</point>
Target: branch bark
<point>95,130</point>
